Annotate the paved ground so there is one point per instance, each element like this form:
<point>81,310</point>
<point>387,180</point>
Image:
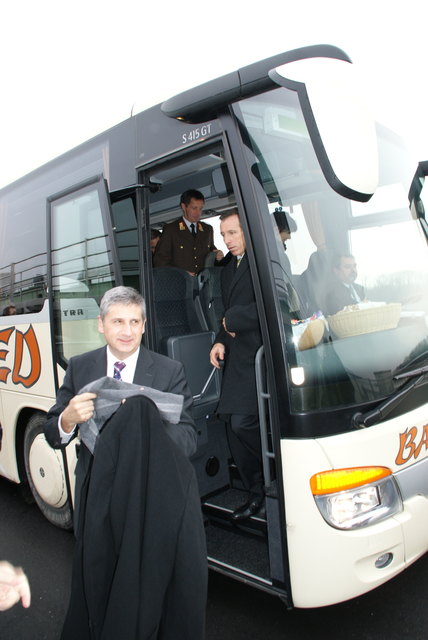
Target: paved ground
<point>396,611</point>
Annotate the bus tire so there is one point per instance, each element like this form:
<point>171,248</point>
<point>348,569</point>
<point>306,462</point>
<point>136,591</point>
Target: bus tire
<point>45,474</point>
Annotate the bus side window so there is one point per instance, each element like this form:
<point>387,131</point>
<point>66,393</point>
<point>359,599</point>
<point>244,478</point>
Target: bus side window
<point>23,265</point>
<point>125,229</point>
<point>82,268</point>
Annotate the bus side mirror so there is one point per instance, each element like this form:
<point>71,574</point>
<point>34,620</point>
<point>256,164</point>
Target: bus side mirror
<point>342,131</point>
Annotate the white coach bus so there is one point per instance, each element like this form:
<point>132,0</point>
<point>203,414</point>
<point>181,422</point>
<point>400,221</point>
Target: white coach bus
<point>342,395</point>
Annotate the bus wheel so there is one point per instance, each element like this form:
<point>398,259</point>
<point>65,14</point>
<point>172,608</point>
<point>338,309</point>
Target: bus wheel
<point>45,473</point>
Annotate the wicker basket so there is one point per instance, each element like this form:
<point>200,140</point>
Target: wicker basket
<point>353,323</point>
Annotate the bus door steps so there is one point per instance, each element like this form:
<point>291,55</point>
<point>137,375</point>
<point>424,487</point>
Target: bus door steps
<point>218,509</point>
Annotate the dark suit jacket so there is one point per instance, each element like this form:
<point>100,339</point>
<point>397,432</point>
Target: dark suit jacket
<point>178,248</point>
<point>152,370</point>
<point>339,296</point>
<point>140,568</point>
<point>238,393</point>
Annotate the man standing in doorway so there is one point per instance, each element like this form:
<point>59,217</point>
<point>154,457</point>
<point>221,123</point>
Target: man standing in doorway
<point>237,343</point>
<point>186,242</point>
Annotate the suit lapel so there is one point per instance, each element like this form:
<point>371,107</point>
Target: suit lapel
<point>98,364</point>
<point>238,274</point>
<point>144,371</point>
<point>93,366</point>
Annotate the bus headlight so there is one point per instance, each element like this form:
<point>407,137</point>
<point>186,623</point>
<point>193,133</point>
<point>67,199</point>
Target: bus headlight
<point>366,495</point>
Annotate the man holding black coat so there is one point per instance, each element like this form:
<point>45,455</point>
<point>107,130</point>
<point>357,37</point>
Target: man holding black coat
<point>140,568</point>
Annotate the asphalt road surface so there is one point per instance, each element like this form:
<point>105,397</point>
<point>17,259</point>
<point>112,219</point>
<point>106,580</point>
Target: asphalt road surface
<point>396,611</point>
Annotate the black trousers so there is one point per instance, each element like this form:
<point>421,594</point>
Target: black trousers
<point>244,441</point>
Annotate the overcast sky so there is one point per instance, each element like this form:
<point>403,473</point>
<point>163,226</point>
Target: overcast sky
<point>72,69</point>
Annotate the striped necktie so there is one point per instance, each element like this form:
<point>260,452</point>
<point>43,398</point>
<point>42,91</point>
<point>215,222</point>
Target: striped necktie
<point>118,366</point>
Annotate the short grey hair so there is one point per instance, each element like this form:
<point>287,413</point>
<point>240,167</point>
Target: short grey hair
<point>121,295</point>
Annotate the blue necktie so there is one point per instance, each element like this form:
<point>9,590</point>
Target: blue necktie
<point>118,366</point>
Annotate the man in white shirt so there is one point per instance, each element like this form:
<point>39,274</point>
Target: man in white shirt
<point>122,321</point>
<point>123,492</point>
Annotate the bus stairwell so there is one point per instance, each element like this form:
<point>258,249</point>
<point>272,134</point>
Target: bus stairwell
<point>251,551</point>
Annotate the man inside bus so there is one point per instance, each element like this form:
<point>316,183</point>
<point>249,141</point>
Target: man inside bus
<point>185,243</point>
<point>236,344</point>
<point>155,236</point>
<point>343,290</point>
<point>10,310</point>
<point>284,227</point>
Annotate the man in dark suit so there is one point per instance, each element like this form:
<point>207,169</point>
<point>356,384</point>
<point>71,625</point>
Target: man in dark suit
<point>237,343</point>
<point>343,290</point>
<point>186,242</point>
<point>122,321</point>
<point>133,529</point>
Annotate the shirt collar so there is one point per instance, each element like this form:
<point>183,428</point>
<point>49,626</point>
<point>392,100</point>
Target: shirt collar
<point>130,361</point>
<point>188,223</point>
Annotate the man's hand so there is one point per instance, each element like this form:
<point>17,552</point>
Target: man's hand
<point>13,587</point>
<point>231,333</point>
<point>219,255</point>
<point>216,354</point>
<point>79,409</point>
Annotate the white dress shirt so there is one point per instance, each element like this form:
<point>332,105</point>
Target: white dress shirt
<point>128,371</point>
<point>188,223</point>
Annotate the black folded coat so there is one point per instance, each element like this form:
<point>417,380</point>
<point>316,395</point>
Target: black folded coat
<point>140,567</point>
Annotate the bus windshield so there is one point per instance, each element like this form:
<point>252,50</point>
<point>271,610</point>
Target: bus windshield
<point>351,278</point>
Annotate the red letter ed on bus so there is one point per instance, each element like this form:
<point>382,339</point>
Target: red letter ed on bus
<point>4,337</point>
<point>36,364</point>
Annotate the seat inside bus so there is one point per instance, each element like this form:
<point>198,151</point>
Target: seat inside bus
<point>175,305</point>
<point>210,296</point>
